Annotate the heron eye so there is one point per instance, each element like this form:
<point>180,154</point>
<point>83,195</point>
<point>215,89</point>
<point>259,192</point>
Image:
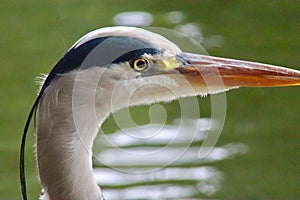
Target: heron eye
<point>140,64</point>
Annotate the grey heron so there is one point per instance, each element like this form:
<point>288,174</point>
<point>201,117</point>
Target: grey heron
<point>109,69</point>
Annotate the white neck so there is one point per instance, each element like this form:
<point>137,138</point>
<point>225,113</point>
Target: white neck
<point>66,128</point>
<point>70,113</point>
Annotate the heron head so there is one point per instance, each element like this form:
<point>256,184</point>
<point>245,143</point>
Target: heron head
<point>114,68</point>
<point>145,67</point>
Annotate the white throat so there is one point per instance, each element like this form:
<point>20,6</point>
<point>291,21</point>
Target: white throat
<point>66,128</point>
<point>70,113</point>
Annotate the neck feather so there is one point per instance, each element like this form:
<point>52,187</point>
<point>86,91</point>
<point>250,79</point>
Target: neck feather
<point>66,128</point>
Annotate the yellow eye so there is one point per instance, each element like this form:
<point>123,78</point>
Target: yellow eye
<point>140,64</point>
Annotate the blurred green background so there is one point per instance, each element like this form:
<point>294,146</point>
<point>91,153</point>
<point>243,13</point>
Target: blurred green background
<point>34,35</point>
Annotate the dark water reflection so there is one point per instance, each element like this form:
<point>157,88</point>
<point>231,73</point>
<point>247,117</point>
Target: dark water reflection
<point>160,162</point>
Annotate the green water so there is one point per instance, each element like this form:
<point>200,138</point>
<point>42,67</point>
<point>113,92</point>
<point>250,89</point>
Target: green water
<point>35,35</point>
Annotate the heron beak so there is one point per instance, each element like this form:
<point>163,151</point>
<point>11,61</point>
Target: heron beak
<point>203,69</point>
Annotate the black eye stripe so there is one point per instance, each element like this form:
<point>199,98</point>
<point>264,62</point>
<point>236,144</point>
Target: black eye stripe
<point>130,56</point>
<point>75,57</point>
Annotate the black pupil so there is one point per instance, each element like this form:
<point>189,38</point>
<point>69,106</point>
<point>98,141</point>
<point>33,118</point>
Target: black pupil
<point>141,63</point>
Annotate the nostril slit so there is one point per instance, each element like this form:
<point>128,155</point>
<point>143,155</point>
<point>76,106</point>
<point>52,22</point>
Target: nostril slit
<point>181,59</point>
